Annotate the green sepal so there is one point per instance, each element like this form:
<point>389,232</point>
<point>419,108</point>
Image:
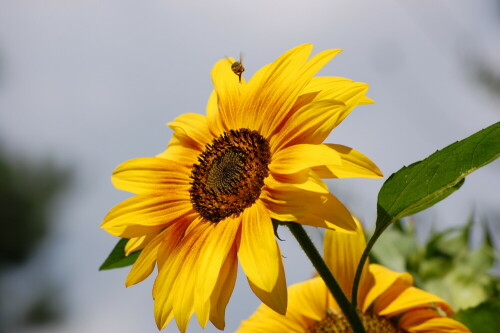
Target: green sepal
<point>276,224</point>
<point>117,257</point>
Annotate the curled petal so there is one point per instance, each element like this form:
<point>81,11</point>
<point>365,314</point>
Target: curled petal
<point>387,286</point>
<point>330,214</point>
<point>192,127</point>
<point>289,203</point>
<point>305,180</point>
<point>429,320</point>
<point>296,158</point>
<point>413,298</point>
<point>353,164</point>
<point>181,151</point>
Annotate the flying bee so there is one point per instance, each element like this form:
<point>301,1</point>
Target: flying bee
<point>237,68</point>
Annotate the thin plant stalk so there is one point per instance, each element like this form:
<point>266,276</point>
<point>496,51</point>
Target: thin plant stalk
<point>312,253</point>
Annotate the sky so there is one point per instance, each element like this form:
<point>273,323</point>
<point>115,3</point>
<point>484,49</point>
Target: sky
<point>90,84</point>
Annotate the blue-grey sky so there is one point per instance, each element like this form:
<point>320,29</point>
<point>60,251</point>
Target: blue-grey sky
<point>90,84</point>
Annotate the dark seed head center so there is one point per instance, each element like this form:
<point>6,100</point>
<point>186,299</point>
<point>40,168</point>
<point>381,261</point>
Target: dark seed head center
<point>335,322</point>
<point>230,174</point>
<point>227,170</point>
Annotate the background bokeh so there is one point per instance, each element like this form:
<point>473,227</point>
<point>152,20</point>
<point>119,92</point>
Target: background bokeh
<point>88,84</point>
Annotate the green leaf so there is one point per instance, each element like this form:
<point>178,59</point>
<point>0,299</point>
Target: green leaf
<point>424,183</point>
<point>482,318</point>
<point>117,257</point>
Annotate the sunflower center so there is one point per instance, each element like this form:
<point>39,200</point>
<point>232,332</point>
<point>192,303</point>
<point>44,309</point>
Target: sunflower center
<point>337,323</point>
<point>230,174</point>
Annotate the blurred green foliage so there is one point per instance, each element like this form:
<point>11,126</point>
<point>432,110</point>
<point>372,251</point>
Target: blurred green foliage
<point>482,318</point>
<point>26,194</point>
<point>445,264</point>
<point>486,75</point>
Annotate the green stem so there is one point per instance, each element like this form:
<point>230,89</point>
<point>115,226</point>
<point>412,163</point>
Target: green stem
<point>312,253</point>
<point>359,269</point>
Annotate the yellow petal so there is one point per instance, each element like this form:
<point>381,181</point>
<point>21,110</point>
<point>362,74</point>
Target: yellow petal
<point>337,90</point>
<point>186,279</point>
<point>151,174</point>
<point>306,180</point>
<point>192,127</point>
<point>353,164</point>
<point>162,301</point>
<point>138,243</point>
<point>214,120</point>
<point>168,269</point>
<point>266,320</point>
<point>343,90</point>
<point>174,286</point>
<point>175,233</point>
<point>412,298</point>
<point>274,90</point>
<point>258,251</point>
<point>277,298</point>
<point>388,296</point>
<point>310,124</point>
<point>145,263</point>
<point>228,90</point>
<point>302,156</point>
<point>384,280</point>
<point>317,62</point>
<point>366,100</point>
<point>342,252</point>
<point>308,299</point>
<point>330,214</point>
<point>308,304</point>
<point>181,152</point>
<point>146,213</point>
<point>294,79</point>
<point>289,203</point>
<point>223,289</point>
<point>222,236</point>
<point>427,320</point>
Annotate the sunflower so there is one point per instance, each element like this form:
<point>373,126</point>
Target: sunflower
<point>209,199</point>
<point>387,301</point>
